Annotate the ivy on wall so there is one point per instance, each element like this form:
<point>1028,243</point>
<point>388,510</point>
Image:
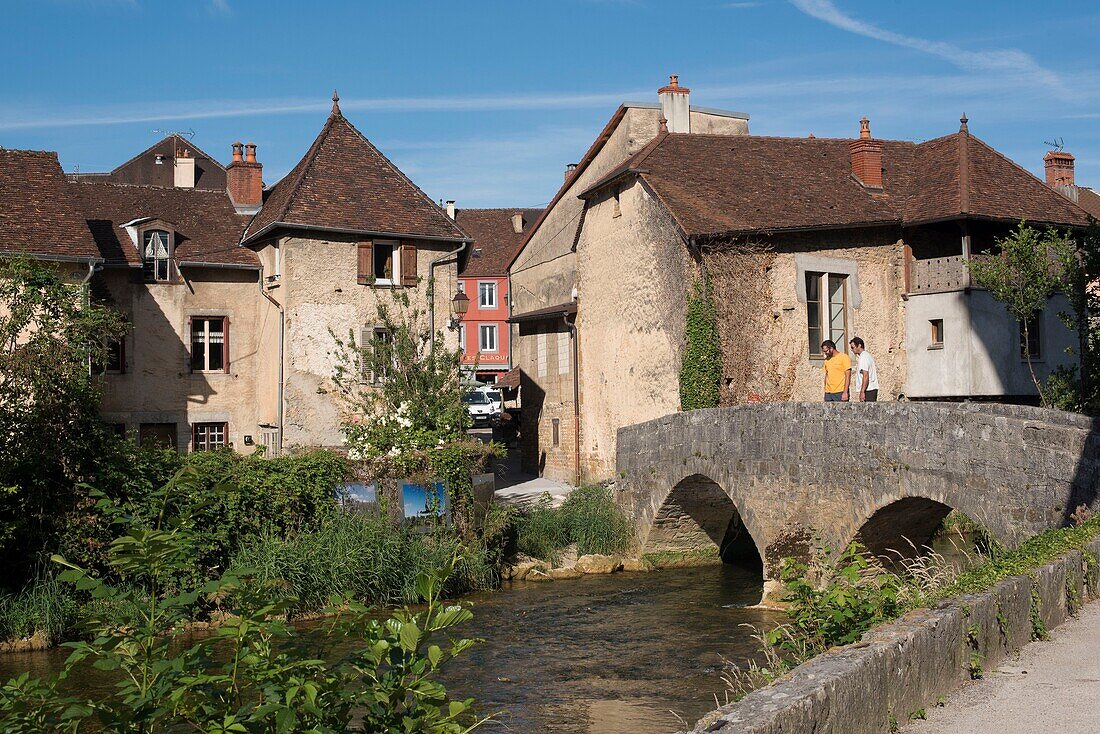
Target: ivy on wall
<point>701,368</point>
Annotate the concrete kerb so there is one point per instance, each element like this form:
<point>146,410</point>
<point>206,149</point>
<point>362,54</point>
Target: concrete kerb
<point>905,666</point>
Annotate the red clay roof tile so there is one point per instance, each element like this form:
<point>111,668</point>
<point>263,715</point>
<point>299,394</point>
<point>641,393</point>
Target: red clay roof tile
<point>495,237</point>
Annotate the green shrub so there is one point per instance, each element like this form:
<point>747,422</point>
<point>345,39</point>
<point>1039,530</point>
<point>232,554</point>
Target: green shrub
<point>363,558</point>
<point>589,517</point>
<point>46,607</point>
<point>254,674</point>
<point>701,367</point>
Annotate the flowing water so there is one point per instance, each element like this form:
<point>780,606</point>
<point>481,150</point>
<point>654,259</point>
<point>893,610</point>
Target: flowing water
<point>627,653</point>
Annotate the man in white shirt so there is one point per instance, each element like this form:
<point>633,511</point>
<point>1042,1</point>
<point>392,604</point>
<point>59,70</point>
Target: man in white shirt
<point>866,372</point>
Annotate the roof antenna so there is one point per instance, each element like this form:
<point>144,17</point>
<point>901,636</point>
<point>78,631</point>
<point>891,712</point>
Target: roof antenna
<point>1057,144</point>
<point>189,133</point>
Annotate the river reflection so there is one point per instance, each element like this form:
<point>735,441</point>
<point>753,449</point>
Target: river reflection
<point>605,654</point>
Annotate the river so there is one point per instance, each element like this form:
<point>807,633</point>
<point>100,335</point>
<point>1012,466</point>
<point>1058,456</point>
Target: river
<point>619,654</point>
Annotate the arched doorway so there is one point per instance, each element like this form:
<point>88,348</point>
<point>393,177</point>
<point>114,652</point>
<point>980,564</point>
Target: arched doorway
<point>699,520</point>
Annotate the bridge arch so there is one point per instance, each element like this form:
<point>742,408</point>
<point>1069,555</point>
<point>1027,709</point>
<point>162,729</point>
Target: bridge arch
<point>902,528</point>
<point>698,517</point>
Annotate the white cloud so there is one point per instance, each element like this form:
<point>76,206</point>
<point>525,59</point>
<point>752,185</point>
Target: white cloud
<point>220,7</point>
<point>1010,61</point>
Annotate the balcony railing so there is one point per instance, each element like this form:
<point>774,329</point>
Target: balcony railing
<point>938,274</point>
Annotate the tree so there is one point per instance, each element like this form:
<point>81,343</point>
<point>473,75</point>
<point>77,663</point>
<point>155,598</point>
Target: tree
<point>404,414</point>
<point>51,334</point>
<point>1027,268</point>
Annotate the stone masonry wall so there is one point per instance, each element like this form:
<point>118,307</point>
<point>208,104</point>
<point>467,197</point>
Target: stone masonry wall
<point>900,668</point>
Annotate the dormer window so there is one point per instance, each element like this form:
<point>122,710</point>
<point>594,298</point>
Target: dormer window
<point>157,255</point>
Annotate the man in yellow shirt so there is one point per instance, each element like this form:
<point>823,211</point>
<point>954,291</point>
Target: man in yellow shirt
<point>838,373</point>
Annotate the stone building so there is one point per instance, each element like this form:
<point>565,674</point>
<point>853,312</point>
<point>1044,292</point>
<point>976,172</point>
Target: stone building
<point>545,276</point>
<point>236,295</point>
<point>800,240</point>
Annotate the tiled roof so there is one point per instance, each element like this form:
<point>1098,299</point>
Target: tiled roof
<point>37,215</point>
<point>208,230</point>
<point>1089,200</point>
<point>143,169</point>
<point>343,183</point>
<point>714,184</point>
<point>495,237</point>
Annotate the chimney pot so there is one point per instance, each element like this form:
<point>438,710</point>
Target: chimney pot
<point>864,128</point>
<point>238,151</point>
<point>570,169</point>
<point>250,153</point>
<point>1059,168</point>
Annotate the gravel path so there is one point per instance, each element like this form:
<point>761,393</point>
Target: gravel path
<point>1052,688</point>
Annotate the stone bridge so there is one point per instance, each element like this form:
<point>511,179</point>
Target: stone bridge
<point>756,483</point>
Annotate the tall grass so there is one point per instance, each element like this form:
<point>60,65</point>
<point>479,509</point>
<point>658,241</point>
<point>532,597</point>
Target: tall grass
<point>589,517</point>
<point>363,558</point>
<point>44,607</point>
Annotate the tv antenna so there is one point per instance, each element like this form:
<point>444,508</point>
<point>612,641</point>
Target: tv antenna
<point>189,133</point>
<point>1057,144</point>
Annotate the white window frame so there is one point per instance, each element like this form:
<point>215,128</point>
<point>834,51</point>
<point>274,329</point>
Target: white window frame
<point>486,287</point>
<point>462,338</point>
<point>153,265</point>
<point>483,329</point>
<point>395,266</point>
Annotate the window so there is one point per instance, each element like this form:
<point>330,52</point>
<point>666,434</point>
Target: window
<point>209,436</point>
<point>1031,343</point>
<point>384,255</point>
<point>826,310</point>
<point>377,356</point>
<point>157,255</point>
<point>937,333</point>
<point>114,359</point>
<point>209,346</point>
<point>555,430</point>
<point>461,286</point>
<point>157,434</point>
<point>486,295</point>
<point>462,338</point>
<point>487,338</point>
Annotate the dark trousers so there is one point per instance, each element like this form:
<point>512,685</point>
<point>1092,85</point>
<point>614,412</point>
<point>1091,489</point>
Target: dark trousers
<point>871,396</point>
<point>833,397</point>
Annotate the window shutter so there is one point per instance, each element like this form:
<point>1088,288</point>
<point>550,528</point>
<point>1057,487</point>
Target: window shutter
<point>190,343</point>
<point>365,355</point>
<point>225,344</point>
<point>408,264</point>
<point>366,258</point>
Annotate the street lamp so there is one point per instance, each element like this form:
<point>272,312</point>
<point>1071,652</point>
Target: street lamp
<point>460,304</point>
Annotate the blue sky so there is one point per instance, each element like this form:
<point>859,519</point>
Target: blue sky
<point>485,102</point>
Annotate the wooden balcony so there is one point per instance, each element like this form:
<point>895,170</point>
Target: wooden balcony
<point>937,274</point>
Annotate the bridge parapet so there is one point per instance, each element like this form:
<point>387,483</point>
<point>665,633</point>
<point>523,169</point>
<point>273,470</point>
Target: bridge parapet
<point>798,475</point>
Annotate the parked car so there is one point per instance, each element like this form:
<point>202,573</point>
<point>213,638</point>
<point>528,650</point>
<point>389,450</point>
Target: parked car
<point>495,397</point>
<point>480,407</point>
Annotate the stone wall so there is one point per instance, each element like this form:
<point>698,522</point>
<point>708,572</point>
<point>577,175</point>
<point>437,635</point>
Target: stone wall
<point>903,667</point>
<point>801,474</point>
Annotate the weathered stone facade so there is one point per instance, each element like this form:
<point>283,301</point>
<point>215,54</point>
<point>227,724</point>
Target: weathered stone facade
<point>1015,469</point>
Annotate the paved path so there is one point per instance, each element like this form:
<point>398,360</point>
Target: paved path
<point>1052,688</point>
<point>517,487</point>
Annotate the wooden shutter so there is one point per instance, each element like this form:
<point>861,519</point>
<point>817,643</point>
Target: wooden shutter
<point>225,345</point>
<point>366,263</point>
<point>408,264</point>
<point>366,357</point>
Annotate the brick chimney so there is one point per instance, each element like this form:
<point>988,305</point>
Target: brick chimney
<point>244,178</point>
<point>867,157</point>
<point>1059,168</point>
<point>674,105</point>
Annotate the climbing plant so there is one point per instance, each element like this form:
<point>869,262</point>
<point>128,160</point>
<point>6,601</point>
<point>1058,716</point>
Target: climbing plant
<point>701,369</point>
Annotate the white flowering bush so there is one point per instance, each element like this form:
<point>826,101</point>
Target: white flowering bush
<point>412,422</point>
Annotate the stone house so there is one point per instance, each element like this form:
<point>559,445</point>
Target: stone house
<point>800,240</point>
<point>235,294</point>
<point>483,333</point>
<point>545,275</point>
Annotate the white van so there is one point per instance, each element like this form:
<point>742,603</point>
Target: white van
<point>495,397</point>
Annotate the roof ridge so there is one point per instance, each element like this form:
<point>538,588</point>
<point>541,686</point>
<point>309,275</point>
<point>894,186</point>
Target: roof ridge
<point>150,187</point>
<point>32,151</point>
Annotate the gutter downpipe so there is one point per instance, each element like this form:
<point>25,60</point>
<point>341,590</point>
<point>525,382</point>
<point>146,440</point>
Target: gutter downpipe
<point>576,401</point>
<point>431,288</point>
<point>282,332</point>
